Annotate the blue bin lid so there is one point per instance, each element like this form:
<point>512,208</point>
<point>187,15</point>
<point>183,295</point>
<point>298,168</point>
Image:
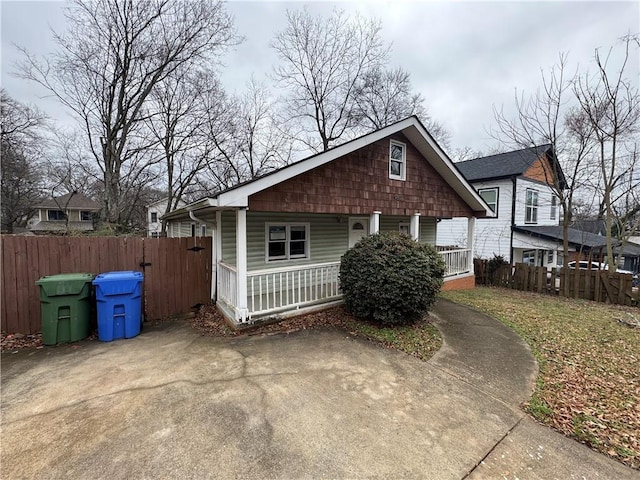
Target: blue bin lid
<point>118,277</point>
<point>117,283</point>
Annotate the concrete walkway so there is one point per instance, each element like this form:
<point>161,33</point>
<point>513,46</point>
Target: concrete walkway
<point>312,404</point>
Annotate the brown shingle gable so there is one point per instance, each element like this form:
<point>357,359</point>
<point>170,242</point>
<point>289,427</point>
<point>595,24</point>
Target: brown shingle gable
<point>358,183</point>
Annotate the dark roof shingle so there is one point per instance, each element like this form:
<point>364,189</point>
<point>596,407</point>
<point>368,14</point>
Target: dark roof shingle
<point>70,200</point>
<point>501,165</point>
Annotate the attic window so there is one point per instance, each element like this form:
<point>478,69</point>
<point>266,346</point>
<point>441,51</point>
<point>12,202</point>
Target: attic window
<point>397,160</point>
<point>154,217</point>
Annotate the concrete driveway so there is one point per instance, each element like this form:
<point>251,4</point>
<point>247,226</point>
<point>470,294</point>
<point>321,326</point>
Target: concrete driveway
<point>312,404</point>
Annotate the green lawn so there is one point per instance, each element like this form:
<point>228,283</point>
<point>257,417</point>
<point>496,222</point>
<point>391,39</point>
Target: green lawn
<point>589,382</point>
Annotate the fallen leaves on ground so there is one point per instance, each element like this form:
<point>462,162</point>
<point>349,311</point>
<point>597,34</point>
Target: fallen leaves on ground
<point>420,339</point>
<point>589,382</point>
<point>17,341</point>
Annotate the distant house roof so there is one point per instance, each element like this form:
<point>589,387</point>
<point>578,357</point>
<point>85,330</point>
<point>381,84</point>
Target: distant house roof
<point>505,165</point>
<point>580,238</point>
<point>75,201</point>
<point>554,232</point>
<point>597,226</point>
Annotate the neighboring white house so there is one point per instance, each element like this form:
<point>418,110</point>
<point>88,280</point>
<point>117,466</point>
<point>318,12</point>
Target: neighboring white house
<point>278,239</point>
<point>155,211</point>
<point>516,185</point>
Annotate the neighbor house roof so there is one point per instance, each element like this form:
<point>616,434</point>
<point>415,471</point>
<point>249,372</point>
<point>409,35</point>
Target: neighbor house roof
<point>506,165</point>
<point>580,238</point>
<point>554,232</point>
<point>410,127</point>
<point>597,226</point>
<point>75,201</point>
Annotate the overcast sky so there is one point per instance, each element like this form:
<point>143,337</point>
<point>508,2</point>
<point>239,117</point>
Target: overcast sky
<point>464,57</point>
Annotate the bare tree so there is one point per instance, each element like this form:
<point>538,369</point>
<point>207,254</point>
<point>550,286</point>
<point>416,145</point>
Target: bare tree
<point>178,118</point>
<point>322,61</point>
<point>109,61</point>
<point>610,105</point>
<point>21,174</point>
<point>545,118</point>
<point>247,140</point>
<point>385,96</point>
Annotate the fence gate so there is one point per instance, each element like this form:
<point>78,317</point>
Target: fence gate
<point>177,272</point>
<point>177,275</point>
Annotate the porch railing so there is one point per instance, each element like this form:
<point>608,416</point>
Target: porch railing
<point>227,284</point>
<point>269,290</point>
<point>456,261</point>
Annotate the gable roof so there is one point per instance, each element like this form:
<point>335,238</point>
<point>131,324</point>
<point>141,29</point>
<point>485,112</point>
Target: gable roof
<point>412,129</point>
<point>73,200</point>
<point>505,165</point>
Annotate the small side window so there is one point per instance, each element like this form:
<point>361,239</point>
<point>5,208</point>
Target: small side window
<point>490,196</point>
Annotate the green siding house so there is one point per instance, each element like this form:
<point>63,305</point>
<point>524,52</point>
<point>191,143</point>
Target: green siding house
<point>278,239</point>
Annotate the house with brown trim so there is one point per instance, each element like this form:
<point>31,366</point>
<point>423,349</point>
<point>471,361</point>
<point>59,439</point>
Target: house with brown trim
<point>518,187</point>
<point>278,239</point>
<point>70,212</point>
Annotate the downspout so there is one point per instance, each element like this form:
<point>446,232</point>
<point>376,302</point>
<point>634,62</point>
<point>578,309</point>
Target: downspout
<point>513,218</point>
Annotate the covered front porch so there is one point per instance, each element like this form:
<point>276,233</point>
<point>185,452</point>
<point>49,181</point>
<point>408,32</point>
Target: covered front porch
<point>251,288</point>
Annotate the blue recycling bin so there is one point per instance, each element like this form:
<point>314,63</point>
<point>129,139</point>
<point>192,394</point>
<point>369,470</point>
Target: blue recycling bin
<point>119,304</point>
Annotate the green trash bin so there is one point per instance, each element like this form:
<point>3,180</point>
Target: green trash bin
<point>65,301</point>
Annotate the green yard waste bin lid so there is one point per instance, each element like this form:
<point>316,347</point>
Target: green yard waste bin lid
<point>64,284</point>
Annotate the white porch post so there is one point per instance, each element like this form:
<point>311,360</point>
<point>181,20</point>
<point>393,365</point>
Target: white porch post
<point>241,263</point>
<point>415,226</point>
<point>217,251</point>
<point>374,223</point>
<point>471,227</point>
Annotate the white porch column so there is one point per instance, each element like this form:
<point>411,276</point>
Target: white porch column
<point>374,223</point>
<point>471,227</point>
<point>241,263</point>
<point>415,226</point>
<point>217,252</point>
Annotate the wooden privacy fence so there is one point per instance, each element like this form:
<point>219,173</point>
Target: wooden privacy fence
<point>177,272</point>
<point>597,285</point>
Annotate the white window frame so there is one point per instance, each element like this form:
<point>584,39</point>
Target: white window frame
<point>88,215</point>
<point>531,209</point>
<point>152,219</point>
<point>404,227</point>
<point>203,230</point>
<point>550,255</point>
<point>287,242</point>
<point>403,160</point>
<point>530,254</point>
<point>488,189</point>
<point>553,214</point>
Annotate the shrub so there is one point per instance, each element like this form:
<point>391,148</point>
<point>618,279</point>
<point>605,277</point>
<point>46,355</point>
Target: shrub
<point>390,279</point>
<point>493,267</point>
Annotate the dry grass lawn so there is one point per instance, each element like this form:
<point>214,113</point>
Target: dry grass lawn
<point>589,382</point>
